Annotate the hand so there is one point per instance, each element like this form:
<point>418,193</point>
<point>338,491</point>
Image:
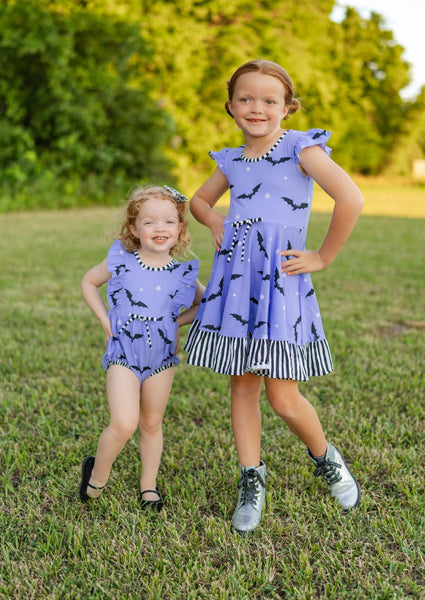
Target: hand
<point>107,328</point>
<point>217,230</point>
<point>176,349</point>
<point>301,261</point>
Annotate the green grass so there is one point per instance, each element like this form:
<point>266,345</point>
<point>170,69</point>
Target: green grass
<point>53,409</point>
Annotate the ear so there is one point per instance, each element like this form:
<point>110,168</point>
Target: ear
<point>228,106</point>
<point>134,231</point>
<point>285,112</point>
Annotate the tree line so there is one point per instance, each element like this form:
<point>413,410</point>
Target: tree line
<point>107,92</point>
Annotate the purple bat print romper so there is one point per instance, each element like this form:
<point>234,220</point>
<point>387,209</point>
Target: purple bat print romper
<point>144,303</point>
<point>253,318</point>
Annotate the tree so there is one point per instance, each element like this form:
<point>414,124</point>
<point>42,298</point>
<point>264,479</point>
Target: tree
<point>69,105</point>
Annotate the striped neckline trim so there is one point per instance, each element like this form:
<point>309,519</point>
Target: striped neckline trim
<point>148,268</point>
<point>258,158</point>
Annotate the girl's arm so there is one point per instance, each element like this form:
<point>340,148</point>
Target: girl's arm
<point>90,284</point>
<point>188,315</point>
<point>201,205</point>
<point>348,205</point>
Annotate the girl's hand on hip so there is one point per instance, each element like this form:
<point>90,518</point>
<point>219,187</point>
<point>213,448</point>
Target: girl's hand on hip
<point>301,261</point>
<point>217,230</point>
<point>107,328</point>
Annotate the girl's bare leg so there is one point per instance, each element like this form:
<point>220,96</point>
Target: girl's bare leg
<point>123,391</point>
<point>297,412</point>
<point>246,417</point>
<point>154,396</point>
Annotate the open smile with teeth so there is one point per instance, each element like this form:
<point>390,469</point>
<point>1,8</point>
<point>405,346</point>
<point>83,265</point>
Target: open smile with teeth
<point>160,238</point>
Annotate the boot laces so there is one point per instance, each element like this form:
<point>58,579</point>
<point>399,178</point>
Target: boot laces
<point>250,483</point>
<point>329,471</point>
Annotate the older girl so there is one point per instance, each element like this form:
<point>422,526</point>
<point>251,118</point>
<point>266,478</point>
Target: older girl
<point>260,316</point>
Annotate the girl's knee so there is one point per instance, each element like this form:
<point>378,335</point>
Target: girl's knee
<point>150,427</point>
<point>123,430</point>
<point>286,406</point>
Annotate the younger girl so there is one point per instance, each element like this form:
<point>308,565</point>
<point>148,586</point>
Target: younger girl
<point>259,316</point>
<point>146,289</point>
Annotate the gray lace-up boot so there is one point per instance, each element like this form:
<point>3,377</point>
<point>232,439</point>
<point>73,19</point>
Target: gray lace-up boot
<point>338,477</point>
<point>252,493</point>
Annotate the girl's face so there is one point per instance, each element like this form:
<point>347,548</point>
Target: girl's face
<point>157,226</point>
<point>258,104</point>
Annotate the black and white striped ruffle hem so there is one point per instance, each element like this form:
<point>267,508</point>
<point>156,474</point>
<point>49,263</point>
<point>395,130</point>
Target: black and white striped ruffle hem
<point>122,363</point>
<point>272,358</point>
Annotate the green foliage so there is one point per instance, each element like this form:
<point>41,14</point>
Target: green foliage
<point>120,92</point>
<point>69,104</point>
<point>411,143</point>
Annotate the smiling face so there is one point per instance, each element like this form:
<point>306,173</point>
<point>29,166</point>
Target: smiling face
<point>157,226</point>
<point>258,104</point>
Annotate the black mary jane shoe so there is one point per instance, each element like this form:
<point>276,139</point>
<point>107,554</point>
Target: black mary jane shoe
<point>154,505</point>
<point>86,469</point>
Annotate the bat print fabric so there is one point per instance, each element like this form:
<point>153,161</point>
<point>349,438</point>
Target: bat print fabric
<point>253,318</point>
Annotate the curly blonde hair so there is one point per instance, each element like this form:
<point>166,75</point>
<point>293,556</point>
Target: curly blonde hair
<point>137,196</point>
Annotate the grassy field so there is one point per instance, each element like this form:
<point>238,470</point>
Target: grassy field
<point>53,409</point>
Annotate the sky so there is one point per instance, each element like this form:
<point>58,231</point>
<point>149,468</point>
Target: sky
<point>406,19</point>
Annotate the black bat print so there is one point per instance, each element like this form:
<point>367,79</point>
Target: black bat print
<point>297,322</point>
<point>172,296</point>
<point>293,205</point>
<point>260,324</point>
<point>173,267</point>
<point>254,300</point>
<point>141,371</point>
<point>310,293</point>
<point>118,269</point>
<point>266,277</point>
<point>236,276</point>
<point>314,332</point>
<point>224,251</point>
<point>135,302</point>
<point>164,337</point>
<point>114,301</point>
<point>277,280</point>
<point>211,327</point>
<point>319,134</point>
<point>261,244</point>
<point>188,270</point>
<point>239,159</point>
<point>283,159</point>
<point>220,291</point>
<point>203,300</point>
<point>136,336</point>
<point>288,247</point>
<point>254,191</point>
<point>239,318</point>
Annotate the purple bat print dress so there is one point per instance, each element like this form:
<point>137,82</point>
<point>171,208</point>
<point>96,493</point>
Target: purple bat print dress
<point>253,318</point>
<point>144,303</point>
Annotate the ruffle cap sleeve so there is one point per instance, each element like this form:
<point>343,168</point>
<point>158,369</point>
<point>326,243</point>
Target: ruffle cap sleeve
<point>220,158</point>
<point>116,264</point>
<point>116,260</point>
<point>312,137</point>
<point>187,274</point>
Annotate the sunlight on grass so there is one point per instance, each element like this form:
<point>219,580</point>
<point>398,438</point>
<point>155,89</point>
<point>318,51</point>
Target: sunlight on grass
<point>53,408</point>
